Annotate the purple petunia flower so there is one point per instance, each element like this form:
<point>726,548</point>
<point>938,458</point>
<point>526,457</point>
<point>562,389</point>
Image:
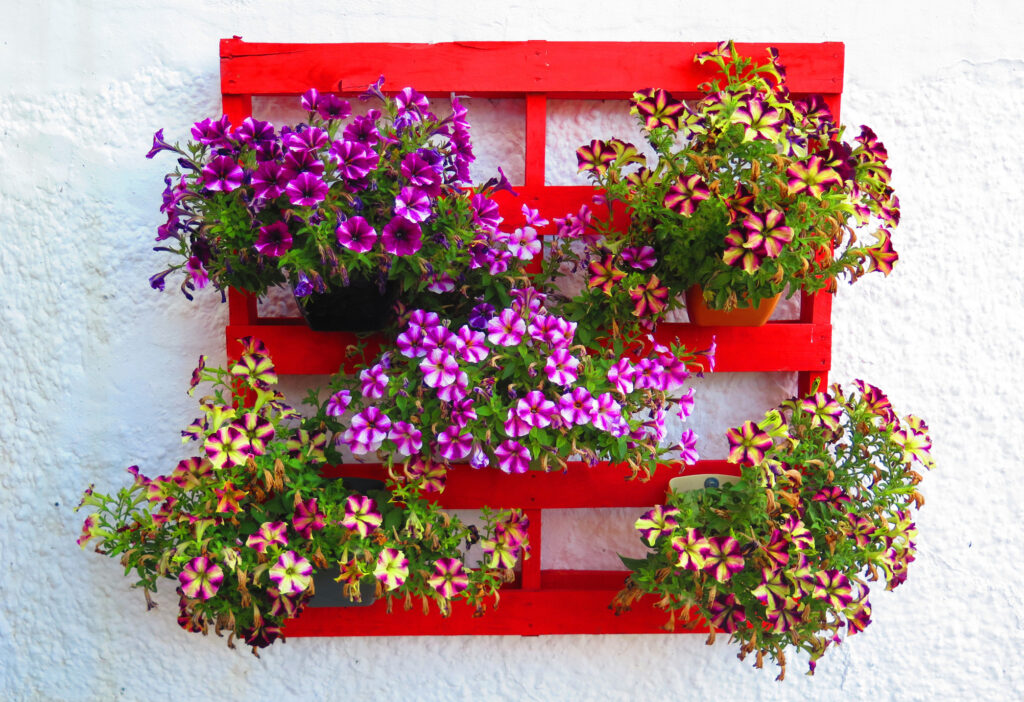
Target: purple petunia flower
<point>402,237</point>
<point>213,133</point>
<point>486,213</point>
<point>724,558</point>
<point>688,448</point>
<point>303,287</point>
<point>412,204</point>
<point>254,133</point>
<point>576,407</point>
<point>439,368</point>
<point>307,518</point>
<point>535,409</point>
<point>561,367</point>
<point>356,234</point>
<point>310,99</point>
<point>274,239</point>
<point>639,257</point>
<point>159,144</point>
<point>408,439</point>
<point>269,180</point>
<point>333,107</point>
<point>421,174</point>
<point>363,129</point>
<point>222,173</point>
<point>306,143</point>
<point>512,457</point>
<point>354,160</point>
<point>453,445</point>
<point>306,190</point>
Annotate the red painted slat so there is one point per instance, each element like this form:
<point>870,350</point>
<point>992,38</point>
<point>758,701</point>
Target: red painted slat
<point>777,346</point>
<point>523,612</point>
<point>579,487</point>
<point>503,69</point>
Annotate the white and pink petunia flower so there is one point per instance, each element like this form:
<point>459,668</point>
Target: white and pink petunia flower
<point>506,329</point>
<point>513,457</point>
<point>440,368</point>
<point>561,367</point>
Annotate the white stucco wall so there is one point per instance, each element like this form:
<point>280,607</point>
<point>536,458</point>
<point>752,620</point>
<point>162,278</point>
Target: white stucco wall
<point>93,363</point>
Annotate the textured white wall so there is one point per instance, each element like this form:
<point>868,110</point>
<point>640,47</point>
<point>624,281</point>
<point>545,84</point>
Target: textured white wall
<point>93,363</point>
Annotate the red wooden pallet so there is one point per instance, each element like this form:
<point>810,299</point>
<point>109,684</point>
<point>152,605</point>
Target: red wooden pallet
<point>545,601</point>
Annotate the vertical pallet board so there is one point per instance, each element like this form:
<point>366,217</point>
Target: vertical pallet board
<point>543,601</point>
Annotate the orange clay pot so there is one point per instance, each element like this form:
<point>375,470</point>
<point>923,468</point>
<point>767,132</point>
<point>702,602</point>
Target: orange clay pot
<point>703,316</point>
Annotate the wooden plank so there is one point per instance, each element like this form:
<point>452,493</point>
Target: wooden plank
<point>601,70</point>
<point>579,487</point>
<point>522,612</point>
<point>777,346</point>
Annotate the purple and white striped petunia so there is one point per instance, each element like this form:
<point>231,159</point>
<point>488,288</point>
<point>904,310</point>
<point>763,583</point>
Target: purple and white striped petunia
<point>440,368</point>
<point>449,578</point>
<point>356,234</point>
<point>453,445</point>
<point>622,374</point>
<point>374,381</point>
<point>269,534</point>
<point>456,391</point>
<point>361,515</point>
<point>506,329</point>
<point>292,573</point>
<point>561,367</point>
<point>688,448</point>
<point>607,414</point>
<point>577,407</point>
<point>512,457</point>
<point>338,403</point>
<point>474,345</point>
<point>408,439</point>
<point>536,410</point>
<point>370,426</point>
<point>392,568</point>
<point>200,578</point>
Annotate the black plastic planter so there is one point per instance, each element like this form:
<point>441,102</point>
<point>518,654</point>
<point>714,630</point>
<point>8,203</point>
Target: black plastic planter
<point>359,307</point>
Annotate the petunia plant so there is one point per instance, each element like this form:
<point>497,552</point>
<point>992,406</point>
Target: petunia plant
<point>516,388</point>
<point>752,190</point>
<point>784,556</point>
<point>380,200</point>
<point>240,527</point>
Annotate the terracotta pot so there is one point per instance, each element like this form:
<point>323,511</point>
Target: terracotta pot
<point>359,307</point>
<point>703,316</point>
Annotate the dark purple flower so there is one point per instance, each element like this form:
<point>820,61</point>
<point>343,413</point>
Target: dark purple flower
<point>196,272</point>
<point>412,103</point>
<point>355,161</point>
<point>303,287</point>
<point>486,211</point>
<point>269,180</point>
<point>480,315</point>
<point>274,239</point>
<point>421,174</point>
<point>298,162</point>
<point>333,107</point>
<point>363,129</point>
<point>254,132</point>
<point>307,190</point>
<point>309,139</point>
<point>639,257</point>
<point>402,237</point>
<point>222,173</point>
<point>356,234</point>
<point>159,145</point>
<point>213,133</point>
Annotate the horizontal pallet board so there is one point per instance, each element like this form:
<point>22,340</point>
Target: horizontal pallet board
<point>777,346</point>
<point>604,485</point>
<point>569,602</point>
<point>505,69</point>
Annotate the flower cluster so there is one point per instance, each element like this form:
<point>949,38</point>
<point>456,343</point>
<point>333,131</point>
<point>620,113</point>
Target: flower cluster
<point>513,388</point>
<point>380,197</point>
<point>242,526</point>
<point>754,190</point>
<point>784,556</point>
